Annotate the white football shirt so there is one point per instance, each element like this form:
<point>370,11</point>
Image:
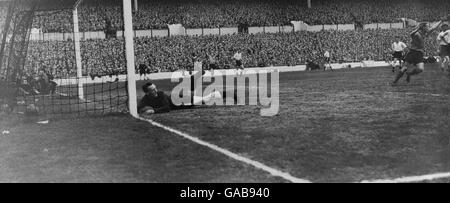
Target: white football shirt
<point>398,47</point>
<point>237,56</point>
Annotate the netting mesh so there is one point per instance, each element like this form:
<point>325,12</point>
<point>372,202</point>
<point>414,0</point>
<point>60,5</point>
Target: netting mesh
<point>39,70</point>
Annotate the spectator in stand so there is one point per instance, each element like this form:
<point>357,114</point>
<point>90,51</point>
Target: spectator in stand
<point>156,14</point>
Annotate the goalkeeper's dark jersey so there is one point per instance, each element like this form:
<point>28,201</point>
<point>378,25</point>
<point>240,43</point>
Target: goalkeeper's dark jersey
<point>161,104</point>
<point>418,42</point>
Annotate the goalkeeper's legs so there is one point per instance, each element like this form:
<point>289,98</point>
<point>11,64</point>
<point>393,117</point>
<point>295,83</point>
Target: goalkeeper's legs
<point>419,68</point>
<point>400,73</point>
<point>201,100</point>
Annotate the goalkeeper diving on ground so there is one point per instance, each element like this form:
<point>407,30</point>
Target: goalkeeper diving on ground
<point>156,101</point>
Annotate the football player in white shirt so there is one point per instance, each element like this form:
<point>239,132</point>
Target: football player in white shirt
<point>443,40</point>
<point>239,66</point>
<point>327,57</point>
<point>398,48</point>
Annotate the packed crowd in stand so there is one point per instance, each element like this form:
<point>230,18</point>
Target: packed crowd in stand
<point>107,57</point>
<point>96,15</point>
<point>99,57</point>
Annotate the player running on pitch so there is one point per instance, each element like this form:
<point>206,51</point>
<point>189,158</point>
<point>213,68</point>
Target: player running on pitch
<point>443,40</point>
<point>414,58</point>
<point>398,48</point>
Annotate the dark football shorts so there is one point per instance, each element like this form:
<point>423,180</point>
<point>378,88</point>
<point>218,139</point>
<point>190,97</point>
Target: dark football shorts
<point>398,55</point>
<point>414,57</point>
<point>238,63</point>
<point>213,66</point>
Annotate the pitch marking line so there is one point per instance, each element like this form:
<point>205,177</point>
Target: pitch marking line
<point>405,93</point>
<point>230,154</point>
<point>416,93</point>
<point>411,179</point>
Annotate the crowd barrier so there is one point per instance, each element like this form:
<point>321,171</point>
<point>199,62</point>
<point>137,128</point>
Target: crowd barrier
<point>66,36</point>
<point>168,75</point>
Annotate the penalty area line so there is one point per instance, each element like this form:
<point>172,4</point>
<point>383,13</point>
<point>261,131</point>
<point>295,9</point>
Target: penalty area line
<point>411,179</point>
<point>256,164</point>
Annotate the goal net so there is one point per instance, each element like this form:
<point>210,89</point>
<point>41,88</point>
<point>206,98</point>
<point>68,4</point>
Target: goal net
<point>52,64</point>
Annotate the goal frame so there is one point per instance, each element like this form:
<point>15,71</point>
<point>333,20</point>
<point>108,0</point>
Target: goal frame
<point>129,54</point>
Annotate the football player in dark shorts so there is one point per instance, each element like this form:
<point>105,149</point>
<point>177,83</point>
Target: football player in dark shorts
<point>414,62</point>
<point>327,61</point>
<point>398,55</point>
<point>239,66</point>
<point>142,70</point>
<point>398,48</point>
<point>212,63</point>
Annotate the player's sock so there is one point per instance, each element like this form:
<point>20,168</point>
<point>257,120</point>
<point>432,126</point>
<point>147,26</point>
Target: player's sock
<point>396,67</point>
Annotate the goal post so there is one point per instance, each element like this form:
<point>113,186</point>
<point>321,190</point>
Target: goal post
<point>76,42</point>
<point>129,52</point>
